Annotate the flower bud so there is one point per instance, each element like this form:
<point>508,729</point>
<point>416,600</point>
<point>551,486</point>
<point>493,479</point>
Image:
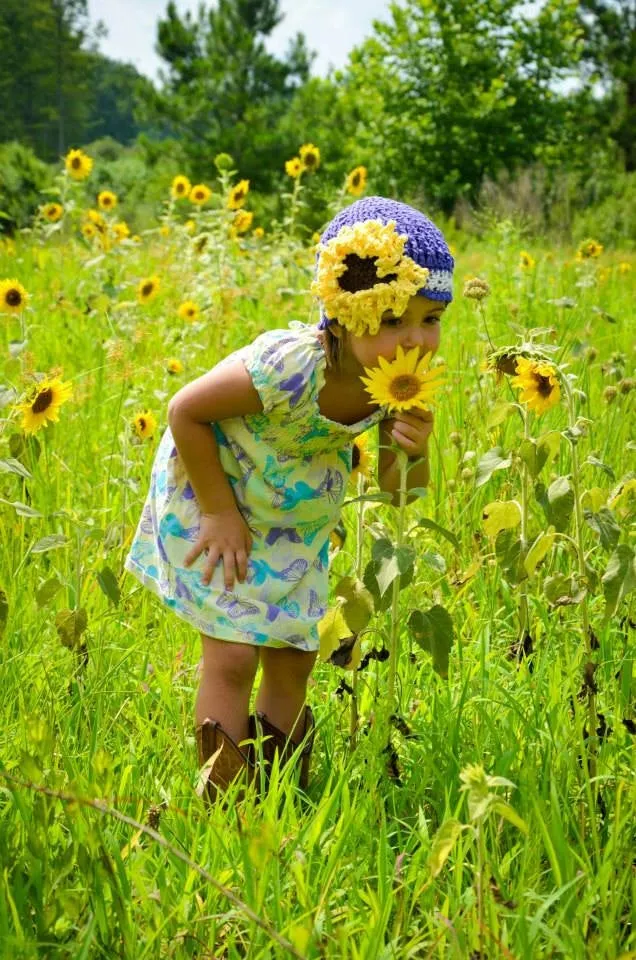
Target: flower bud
<point>476,289</point>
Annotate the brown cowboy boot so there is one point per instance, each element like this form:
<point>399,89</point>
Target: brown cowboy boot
<point>278,742</point>
<point>227,760</point>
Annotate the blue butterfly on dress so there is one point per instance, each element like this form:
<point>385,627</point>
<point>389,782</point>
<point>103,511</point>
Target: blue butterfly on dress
<point>294,385</point>
<point>236,607</point>
<point>322,558</point>
<point>171,526</point>
<point>277,532</point>
<point>311,529</point>
<point>258,571</point>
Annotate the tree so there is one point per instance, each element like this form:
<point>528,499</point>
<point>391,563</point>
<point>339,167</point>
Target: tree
<point>462,91</point>
<point>222,90</point>
<point>609,28</point>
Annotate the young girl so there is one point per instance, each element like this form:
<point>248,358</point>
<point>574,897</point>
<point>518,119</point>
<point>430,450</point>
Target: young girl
<point>249,478</point>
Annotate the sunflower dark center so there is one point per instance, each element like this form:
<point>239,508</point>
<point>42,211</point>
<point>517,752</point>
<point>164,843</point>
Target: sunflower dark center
<point>181,188</point>
<point>404,387</point>
<point>76,163</point>
<point>355,180</point>
<point>43,401</point>
<point>13,297</point>
<point>310,159</point>
<point>142,423</point>
<point>239,194</point>
<point>355,456</point>
<point>544,385</point>
<point>361,274</point>
<point>147,289</point>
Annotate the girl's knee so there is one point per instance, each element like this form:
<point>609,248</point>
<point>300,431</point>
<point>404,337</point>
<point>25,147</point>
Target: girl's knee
<point>236,663</point>
<point>287,665</point>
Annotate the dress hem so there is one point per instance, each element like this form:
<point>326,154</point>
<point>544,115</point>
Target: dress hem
<point>220,632</point>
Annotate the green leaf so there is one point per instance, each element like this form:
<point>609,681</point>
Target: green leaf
<point>70,625</point>
<point>562,591</point>
<point>508,813</point>
<point>495,459</point>
<point>595,462</point>
<point>499,413</point>
<point>604,523</point>
<point>47,591</point>
<point>11,465</point>
<point>382,497</point>
<point>433,632</point>
<point>442,531</point>
<point>559,503</point>
<point>442,846</point>
<point>539,549</point>
<point>386,572</point>
<point>52,542</point>
<point>511,556</point>
<point>22,509</point>
<point>619,578</point>
<point>434,560</point>
<point>109,585</point>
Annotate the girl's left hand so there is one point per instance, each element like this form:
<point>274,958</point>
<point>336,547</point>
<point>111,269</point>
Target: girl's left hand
<point>411,430</point>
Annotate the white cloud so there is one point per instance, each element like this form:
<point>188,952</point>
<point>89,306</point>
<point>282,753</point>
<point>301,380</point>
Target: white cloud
<point>331,27</point>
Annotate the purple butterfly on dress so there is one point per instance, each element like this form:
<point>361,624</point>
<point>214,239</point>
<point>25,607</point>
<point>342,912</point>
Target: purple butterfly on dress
<point>332,485</point>
<point>277,532</point>
<point>294,385</point>
<point>236,607</point>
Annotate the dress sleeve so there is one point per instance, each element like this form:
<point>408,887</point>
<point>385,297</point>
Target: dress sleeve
<point>282,366</point>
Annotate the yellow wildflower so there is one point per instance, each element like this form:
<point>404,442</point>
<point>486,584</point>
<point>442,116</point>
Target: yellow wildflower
<point>404,383</point>
<point>78,164</point>
<point>147,289</point>
<point>526,262</point>
<point>294,167</point>
<point>357,181</point>
<point>13,296</point>
<point>188,310</point>
<point>589,250</point>
<point>145,425</point>
<point>180,188</point>
<point>107,200</point>
<point>538,382</point>
<point>174,366</point>
<point>309,157</point>
<point>238,195</point>
<point>243,220</point>
<point>200,194</point>
<point>52,212</point>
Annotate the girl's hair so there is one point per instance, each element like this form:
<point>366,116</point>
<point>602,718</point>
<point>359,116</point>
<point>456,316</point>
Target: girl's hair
<point>333,347</point>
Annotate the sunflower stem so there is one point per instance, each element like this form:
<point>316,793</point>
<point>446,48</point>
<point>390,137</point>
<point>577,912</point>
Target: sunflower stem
<point>353,714</point>
<point>580,552</point>
<point>524,619</point>
<point>394,643</point>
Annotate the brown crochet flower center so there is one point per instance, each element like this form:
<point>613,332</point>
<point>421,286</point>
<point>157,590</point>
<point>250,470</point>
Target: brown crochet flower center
<point>361,274</point>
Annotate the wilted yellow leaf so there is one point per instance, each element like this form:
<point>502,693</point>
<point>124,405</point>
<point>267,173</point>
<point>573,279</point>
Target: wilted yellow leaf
<point>539,549</point>
<point>331,630</point>
<point>501,515</point>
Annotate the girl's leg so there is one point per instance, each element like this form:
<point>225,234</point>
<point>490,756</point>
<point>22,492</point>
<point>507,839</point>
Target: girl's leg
<point>284,687</point>
<point>226,684</point>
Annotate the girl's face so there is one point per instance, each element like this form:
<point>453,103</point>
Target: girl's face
<point>418,326</point>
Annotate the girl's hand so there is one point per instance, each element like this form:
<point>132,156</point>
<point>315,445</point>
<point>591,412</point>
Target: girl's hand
<point>411,431</point>
<point>226,535</point>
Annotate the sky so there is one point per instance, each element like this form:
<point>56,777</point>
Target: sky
<point>332,28</point>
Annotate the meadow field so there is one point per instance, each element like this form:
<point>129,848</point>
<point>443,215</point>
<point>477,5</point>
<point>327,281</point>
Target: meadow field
<point>483,810</point>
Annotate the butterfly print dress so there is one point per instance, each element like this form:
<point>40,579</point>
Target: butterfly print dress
<point>288,467</point>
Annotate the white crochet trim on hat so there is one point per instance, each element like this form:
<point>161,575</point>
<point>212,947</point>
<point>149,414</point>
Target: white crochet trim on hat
<point>439,280</point>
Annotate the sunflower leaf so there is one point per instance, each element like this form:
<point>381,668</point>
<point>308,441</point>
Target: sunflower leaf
<point>619,577</point>
<point>109,585</point>
<point>11,465</point>
<point>604,523</point>
<point>495,459</point>
<point>52,542</point>
<point>433,631</point>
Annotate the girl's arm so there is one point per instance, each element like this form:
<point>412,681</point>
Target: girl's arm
<point>218,395</point>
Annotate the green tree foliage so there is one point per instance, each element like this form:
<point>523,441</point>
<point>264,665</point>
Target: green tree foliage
<point>609,28</point>
<point>223,91</point>
<point>457,92</point>
<point>117,89</point>
<point>43,83</point>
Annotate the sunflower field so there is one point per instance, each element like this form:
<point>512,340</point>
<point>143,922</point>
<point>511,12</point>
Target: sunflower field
<point>472,791</point>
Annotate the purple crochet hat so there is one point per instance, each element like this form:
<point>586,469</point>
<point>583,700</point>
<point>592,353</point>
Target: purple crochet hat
<point>425,243</point>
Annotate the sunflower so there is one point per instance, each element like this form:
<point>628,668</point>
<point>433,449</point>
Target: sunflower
<point>200,194</point>
<point>309,157</point>
<point>174,366</point>
<point>180,188</point>
<point>78,165</point>
<point>361,464</point>
<point>362,272</point>
<point>96,218</point>
<point>294,167</point>
<point>243,221</point>
<point>13,296</point>
<point>52,212</point>
<point>538,383</point>
<point>258,233</point>
<point>147,289</point>
<point>188,310</point>
<point>121,230</point>
<point>404,383</point>
<point>89,230</point>
<point>357,181</point>
<point>43,404</point>
<point>144,424</point>
<point>526,262</point>
<point>589,250</point>
<point>107,200</point>
<point>238,195</point>
<point>624,267</point>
